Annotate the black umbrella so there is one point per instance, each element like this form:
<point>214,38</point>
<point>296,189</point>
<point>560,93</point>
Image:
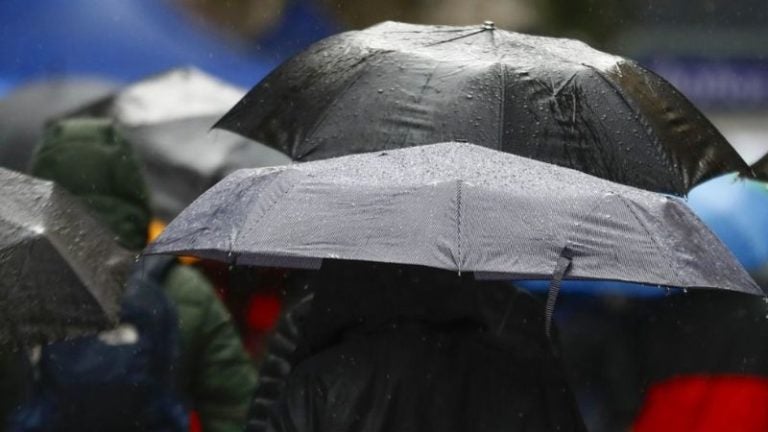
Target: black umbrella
<point>557,100</point>
<point>459,207</point>
<point>60,272</point>
<point>761,168</point>
<point>168,118</point>
<point>23,113</point>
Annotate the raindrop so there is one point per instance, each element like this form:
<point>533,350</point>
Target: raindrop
<point>381,90</point>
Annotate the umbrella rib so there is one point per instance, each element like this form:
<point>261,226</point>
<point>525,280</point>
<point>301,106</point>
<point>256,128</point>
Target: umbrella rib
<point>420,97</point>
<point>457,38</point>
<point>594,130</point>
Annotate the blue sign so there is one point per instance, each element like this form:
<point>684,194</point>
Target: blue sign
<point>716,83</point>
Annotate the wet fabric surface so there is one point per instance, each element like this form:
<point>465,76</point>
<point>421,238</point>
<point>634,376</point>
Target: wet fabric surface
<point>60,272</point>
<point>458,207</point>
<point>397,85</point>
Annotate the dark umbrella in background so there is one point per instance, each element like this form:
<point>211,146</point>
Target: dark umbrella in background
<point>167,118</point>
<point>458,207</point>
<point>556,100</point>
<point>24,112</point>
<point>61,273</point>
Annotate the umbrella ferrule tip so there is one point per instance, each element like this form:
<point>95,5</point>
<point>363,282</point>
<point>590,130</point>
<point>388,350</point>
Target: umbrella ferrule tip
<point>489,25</point>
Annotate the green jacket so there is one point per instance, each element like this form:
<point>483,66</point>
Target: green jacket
<point>89,158</point>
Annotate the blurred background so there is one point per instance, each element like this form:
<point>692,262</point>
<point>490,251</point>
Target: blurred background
<point>713,51</point>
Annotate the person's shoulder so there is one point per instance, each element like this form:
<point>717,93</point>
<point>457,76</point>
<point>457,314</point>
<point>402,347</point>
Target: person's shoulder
<point>187,283</point>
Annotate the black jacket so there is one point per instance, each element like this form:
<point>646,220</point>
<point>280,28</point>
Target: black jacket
<point>403,348</point>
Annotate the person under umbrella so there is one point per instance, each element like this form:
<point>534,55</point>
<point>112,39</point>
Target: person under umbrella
<point>89,158</point>
<point>48,239</point>
<point>390,348</point>
<point>705,364</point>
<point>398,85</point>
<point>455,207</point>
<point>719,379</point>
<point>55,283</point>
<point>167,119</point>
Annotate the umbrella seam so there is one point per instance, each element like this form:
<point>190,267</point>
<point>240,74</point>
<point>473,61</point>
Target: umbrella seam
<point>458,223</point>
<point>656,240</point>
<point>277,199</point>
<point>594,130</point>
<point>503,101</point>
<point>420,97</point>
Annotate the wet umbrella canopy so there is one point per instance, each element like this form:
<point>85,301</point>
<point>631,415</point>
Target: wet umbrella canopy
<point>557,100</point>
<point>454,206</point>
<point>168,118</point>
<point>60,272</point>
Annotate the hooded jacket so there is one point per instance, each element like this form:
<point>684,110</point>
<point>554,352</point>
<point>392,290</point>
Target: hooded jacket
<point>89,158</point>
<point>404,348</point>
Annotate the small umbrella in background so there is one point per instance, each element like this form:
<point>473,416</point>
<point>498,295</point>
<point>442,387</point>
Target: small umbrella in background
<point>458,207</point>
<point>167,118</point>
<point>24,112</point>
<point>397,85</point>
<point>61,273</point>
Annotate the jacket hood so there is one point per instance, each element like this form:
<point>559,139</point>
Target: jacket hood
<point>89,158</point>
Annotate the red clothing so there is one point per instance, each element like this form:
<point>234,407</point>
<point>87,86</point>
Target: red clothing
<point>706,403</point>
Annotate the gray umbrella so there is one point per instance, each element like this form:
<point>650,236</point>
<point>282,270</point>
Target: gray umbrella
<point>459,207</point>
<point>167,118</point>
<point>24,112</point>
<point>60,272</point>
<point>183,158</point>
